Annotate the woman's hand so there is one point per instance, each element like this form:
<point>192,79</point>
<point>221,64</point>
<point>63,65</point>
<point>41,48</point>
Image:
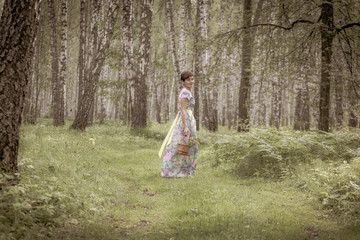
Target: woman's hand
<point>186,132</point>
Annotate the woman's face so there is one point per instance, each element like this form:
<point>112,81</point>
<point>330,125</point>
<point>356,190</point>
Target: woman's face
<point>189,82</point>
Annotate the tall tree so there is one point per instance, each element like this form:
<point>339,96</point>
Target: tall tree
<point>200,53</point>
<point>173,50</point>
<point>327,36</point>
<point>60,118</point>
<point>82,46</point>
<point>31,99</point>
<point>182,51</point>
<point>245,69</point>
<point>57,101</point>
<point>18,28</point>
<point>92,73</point>
<point>140,113</point>
<point>128,49</point>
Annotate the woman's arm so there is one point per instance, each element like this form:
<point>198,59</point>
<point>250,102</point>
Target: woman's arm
<point>183,104</point>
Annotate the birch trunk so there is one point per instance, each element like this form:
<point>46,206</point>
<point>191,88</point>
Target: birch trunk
<point>60,121</point>
<point>95,42</point>
<point>82,46</point>
<point>128,46</point>
<point>200,54</point>
<point>243,124</point>
<point>183,38</point>
<point>98,54</point>
<point>172,45</point>
<point>140,101</point>
<point>56,98</point>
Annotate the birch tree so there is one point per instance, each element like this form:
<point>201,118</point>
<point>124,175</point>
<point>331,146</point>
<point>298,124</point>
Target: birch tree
<point>140,102</point>
<point>128,63</point>
<point>82,46</point>
<point>63,60</point>
<point>57,101</point>
<point>173,50</point>
<point>96,61</point>
<point>200,53</point>
<point>182,51</point>
<point>243,123</point>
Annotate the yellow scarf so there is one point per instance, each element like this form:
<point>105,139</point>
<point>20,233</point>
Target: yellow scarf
<point>168,138</point>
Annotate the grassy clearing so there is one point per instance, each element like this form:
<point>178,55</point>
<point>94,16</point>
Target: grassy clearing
<point>105,184</point>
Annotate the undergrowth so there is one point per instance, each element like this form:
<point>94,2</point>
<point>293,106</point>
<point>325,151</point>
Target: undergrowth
<point>104,184</point>
<point>324,165</point>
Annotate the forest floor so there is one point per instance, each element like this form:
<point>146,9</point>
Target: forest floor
<point>105,184</point>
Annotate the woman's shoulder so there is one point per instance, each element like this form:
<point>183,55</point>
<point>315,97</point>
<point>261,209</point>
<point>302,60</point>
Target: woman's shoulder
<point>184,93</point>
<point>184,90</point>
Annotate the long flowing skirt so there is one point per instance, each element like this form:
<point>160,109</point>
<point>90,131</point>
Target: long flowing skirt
<point>176,165</point>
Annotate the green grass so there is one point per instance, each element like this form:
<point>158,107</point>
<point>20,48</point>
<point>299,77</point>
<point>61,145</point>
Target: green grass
<point>72,187</point>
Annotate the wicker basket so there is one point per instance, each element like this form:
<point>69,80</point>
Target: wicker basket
<point>183,149</point>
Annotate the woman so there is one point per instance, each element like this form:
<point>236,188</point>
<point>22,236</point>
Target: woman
<point>183,130</point>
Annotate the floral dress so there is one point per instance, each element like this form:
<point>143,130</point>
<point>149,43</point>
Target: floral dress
<point>175,165</point>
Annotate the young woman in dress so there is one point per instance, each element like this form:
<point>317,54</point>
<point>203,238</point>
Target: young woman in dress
<point>183,130</point>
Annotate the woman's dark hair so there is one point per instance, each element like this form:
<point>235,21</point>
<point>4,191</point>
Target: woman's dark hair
<point>185,75</point>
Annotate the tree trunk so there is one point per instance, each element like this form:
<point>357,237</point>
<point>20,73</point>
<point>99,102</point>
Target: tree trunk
<point>94,40</point>
<point>157,105</point>
<point>95,65</point>
<point>140,111</point>
<point>353,107</point>
<point>165,88</point>
<point>243,124</point>
<point>60,118</point>
<point>276,102</point>
<point>327,36</point>
<point>128,46</point>
<point>56,98</point>
<point>28,106</point>
<point>35,101</point>
<point>18,28</point>
<point>82,46</point>
<point>172,45</point>
<point>213,83</point>
<point>183,38</point>
<point>306,108</point>
<point>339,113</point>
<point>200,55</point>
<point>229,105</point>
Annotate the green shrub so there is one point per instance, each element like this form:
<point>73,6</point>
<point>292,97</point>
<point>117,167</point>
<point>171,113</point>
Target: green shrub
<point>28,211</point>
<point>335,184</point>
<point>269,153</point>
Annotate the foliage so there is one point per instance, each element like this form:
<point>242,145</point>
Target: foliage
<point>61,183</point>
<point>325,166</point>
<point>335,184</point>
<point>104,184</point>
<point>270,153</point>
<point>27,206</point>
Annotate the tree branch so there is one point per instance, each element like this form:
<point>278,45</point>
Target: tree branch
<point>349,25</point>
<point>292,25</point>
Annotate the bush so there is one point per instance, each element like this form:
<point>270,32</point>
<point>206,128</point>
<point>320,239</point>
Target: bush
<point>335,184</point>
<point>269,153</point>
<point>26,211</point>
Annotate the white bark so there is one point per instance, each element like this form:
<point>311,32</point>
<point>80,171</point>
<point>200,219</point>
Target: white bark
<point>63,55</point>
<point>183,38</point>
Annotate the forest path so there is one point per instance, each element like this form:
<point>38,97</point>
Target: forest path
<point>108,185</point>
<point>211,205</point>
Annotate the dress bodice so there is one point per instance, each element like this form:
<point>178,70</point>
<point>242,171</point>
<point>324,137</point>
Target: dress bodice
<point>184,93</point>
